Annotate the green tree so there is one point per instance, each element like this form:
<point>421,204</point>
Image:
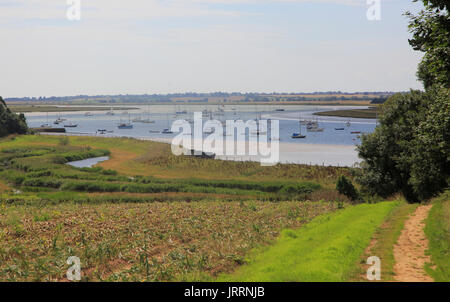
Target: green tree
<point>409,150</point>
<point>10,122</point>
<point>431,35</point>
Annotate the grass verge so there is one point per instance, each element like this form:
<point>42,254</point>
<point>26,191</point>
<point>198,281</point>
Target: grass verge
<point>327,249</point>
<point>437,230</point>
<point>383,241</point>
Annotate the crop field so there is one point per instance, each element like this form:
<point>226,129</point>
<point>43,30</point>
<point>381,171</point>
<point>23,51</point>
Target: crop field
<point>140,242</point>
<point>134,218</point>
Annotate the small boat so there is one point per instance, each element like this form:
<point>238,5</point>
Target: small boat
<point>58,121</point>
<point>128,125</point>
<point>46,124</point>
<point>339,128</point>
<point>101,131</point>
<point>125,126</point>
<point>153,131</point>
<point>348,124</point>
<point>110,112</point>
<point>137,120</point>
<point>70,125</point>
<point>166,131</point>
<point>88,114</point>
<point>315,129</point>
<point>298,135</point>
<point>279,109</point>
<point>355,132</point>
<point>181,112</point>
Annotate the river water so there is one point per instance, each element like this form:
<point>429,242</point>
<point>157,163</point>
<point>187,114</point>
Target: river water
<point>316,148</point>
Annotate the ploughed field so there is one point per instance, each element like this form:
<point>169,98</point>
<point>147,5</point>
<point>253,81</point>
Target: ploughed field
<point>145,214</point>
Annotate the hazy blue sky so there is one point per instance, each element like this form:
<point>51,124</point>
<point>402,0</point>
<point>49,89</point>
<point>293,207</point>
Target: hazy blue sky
<point>159,46</point>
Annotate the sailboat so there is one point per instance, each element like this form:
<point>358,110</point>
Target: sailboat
<point>314,127</point>
<point>110,112</point>
<point>299,134</point>
<point>70,125</point>
<point>59,119</point>
<point>148,120</point>
<point>46,124</point>
<point>128,125</point>
<point>259,130</point>
<point>167,130</point>
<point>209,130</point>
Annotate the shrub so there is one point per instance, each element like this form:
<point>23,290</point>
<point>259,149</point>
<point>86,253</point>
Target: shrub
<point>345,187</point>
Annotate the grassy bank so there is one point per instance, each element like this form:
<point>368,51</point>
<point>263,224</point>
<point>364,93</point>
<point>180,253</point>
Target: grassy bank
<point>437,231</point>
<point>383,241</point>
<point>134,157</point>
<point>327,249</point>
<point>355,113</point>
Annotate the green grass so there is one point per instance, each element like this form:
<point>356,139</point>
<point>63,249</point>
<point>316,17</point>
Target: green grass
<point>437,230</point>
<point>327,249</point>
<point>38,164</point>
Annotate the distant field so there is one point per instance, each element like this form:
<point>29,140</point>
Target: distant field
<point>45,108</point>
<point>214,98</point>
<point>355,113</point>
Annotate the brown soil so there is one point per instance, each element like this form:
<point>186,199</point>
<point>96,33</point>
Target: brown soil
<point>409,251</point>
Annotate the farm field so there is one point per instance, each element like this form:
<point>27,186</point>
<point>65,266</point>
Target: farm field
<point>141,227</point>
<point>147,215</point>
<point>46,108</point>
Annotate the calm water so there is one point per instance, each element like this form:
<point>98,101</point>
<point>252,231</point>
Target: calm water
<point>87,163</point>
<point>164,115</point>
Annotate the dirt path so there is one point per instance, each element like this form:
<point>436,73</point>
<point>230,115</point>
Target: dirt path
<point>409,251</point>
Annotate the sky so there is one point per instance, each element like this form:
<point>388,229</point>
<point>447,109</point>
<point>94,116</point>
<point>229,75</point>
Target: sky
<point>172,46</point>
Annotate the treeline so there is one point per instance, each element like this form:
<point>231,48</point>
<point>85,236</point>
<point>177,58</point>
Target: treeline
<point>409,150</point>
<point>205,97</point>
<point>10,122</point>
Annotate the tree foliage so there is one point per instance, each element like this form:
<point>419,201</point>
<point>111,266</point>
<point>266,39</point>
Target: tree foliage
<point>409,150</point>
<point>431,35</point>
<point>10,122</point>
<point>345,187</point>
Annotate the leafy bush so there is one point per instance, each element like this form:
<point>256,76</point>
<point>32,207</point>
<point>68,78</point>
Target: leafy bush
<point>345,187</point>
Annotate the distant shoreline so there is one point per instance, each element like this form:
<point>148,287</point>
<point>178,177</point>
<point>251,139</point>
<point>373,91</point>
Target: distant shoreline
<point>370,113</point>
